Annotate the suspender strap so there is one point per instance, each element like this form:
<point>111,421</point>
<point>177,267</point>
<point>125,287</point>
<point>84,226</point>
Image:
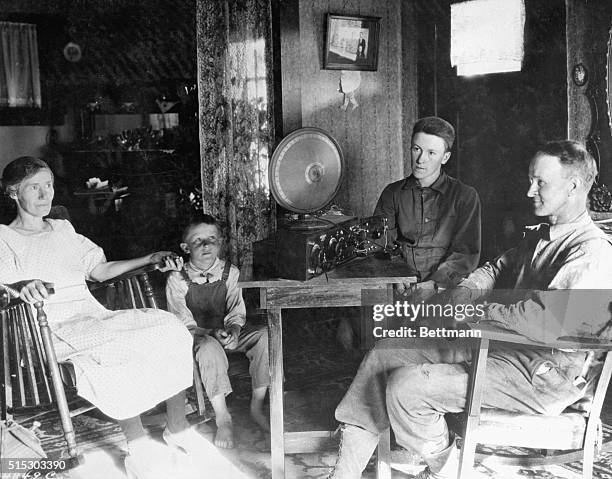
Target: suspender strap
<point>226,271</point>
<point>186,276</point>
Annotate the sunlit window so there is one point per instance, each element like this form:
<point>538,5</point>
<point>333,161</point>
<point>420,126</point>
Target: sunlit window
<point>249,93</point>
<point>19,76</point>
<point>487,36</point>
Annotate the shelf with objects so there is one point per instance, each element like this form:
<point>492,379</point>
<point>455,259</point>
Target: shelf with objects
<point>133,192</point>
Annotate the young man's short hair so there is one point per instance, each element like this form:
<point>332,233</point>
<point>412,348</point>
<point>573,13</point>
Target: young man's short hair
<point>433,125</point>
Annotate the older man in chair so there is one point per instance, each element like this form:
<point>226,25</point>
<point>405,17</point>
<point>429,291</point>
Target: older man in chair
<point>411,383</point>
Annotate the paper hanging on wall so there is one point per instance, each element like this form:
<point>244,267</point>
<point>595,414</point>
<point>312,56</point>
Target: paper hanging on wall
<point>349,83</point>
<point>487,36</point>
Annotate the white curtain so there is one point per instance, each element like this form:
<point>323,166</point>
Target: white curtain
<point>19,75</point>
<point>487,36</point>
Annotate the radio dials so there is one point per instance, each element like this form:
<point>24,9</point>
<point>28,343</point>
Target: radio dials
<point>340,247</point>
<point>376,234</point>
<point>330,249</point>
<point>326,250</point>
<point>315,259</point>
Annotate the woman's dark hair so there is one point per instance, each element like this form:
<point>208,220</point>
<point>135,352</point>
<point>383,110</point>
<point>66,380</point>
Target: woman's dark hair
<point>20,169</point>
<point>14,173</point>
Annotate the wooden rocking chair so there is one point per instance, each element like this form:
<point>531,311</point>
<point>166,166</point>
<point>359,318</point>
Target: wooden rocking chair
<point>31,376</point>
<point>571,436</point>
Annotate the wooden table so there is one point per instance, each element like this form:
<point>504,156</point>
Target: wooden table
<point>344,286</point>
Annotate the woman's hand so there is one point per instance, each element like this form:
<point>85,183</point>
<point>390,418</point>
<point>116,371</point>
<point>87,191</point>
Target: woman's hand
<point>34,291</point>
<point>167,261</point>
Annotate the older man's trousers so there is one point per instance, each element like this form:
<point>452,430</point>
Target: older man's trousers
<point>411,383</point>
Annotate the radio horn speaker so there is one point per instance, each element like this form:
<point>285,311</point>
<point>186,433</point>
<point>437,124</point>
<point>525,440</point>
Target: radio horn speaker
<point>306,170</point>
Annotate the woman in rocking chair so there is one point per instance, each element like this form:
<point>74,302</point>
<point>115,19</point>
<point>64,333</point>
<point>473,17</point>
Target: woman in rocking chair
<point>125,362</point>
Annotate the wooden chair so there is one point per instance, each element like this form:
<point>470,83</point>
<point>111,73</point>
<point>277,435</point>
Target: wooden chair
<point>571,436</point>
<point>31,376</point>
<point>133,290</point>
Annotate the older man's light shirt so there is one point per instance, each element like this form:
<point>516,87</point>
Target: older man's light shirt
<point>564,273</point>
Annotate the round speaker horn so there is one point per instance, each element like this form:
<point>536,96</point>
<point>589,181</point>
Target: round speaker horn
<point>306,170</point>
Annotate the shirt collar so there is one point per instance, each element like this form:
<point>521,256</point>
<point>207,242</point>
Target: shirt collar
<point>557,231</point>
<point>202,272</point>
<point>441,184</point>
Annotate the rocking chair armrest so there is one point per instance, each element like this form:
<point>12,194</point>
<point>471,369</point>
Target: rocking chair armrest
<point>95,285</point>
<point>15,301</point>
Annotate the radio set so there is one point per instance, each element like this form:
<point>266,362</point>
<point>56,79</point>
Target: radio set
<point>305,174</point>
<point>304,254</point>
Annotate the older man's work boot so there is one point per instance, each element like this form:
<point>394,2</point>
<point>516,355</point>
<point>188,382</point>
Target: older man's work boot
<point>356,448</point>
<point>443,465</point>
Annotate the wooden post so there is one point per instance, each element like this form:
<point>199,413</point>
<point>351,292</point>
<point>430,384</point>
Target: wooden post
<point>277,427</point>
<point>472,408</point>
<point>7,404</point>
<point>58,386</point>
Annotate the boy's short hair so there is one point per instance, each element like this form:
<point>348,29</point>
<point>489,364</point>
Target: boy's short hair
<point>198,220</point>
<point>434,125</point>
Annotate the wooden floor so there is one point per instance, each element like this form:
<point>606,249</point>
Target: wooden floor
<point>316,375</point>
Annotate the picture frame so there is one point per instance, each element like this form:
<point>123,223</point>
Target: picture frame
<point>352,43</point>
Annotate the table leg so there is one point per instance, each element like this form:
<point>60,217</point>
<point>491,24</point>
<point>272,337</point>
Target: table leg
<point>277,429</point>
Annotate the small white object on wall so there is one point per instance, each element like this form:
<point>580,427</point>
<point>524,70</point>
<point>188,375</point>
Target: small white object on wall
<point>349,83</point>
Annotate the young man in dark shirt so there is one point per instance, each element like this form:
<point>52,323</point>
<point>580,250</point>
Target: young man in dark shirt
<point>432,217</point>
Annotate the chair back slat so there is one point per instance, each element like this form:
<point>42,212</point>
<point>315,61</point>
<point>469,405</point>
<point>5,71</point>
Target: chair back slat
<point>139,292</point>
<point>130,298</point>
<point>131,290</point>
<point>16,357</point>
<point>26,347</point>
<point>41,360</point>
<point>111,296</point>
<point>119,302</point>
<point>25,369</point>
<point>125,295</point>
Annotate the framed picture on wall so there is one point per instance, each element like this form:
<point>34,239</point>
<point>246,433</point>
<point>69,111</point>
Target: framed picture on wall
<point>352,43</point>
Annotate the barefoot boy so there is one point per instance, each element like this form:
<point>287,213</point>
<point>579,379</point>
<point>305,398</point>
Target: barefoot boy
<point>204,294</point>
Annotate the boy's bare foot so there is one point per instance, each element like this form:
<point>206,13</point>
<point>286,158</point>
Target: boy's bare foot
<point>260,419</point>
<point>225,433</point>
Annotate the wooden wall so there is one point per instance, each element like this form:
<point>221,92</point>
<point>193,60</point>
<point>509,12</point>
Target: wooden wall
<point>372,137</point>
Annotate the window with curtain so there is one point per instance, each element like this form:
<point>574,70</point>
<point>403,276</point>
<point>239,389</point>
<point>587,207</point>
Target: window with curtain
<point>487,36</point>
<point>19,74</point>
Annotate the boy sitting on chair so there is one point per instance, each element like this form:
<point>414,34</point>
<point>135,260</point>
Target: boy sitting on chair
<point>204,294</point>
